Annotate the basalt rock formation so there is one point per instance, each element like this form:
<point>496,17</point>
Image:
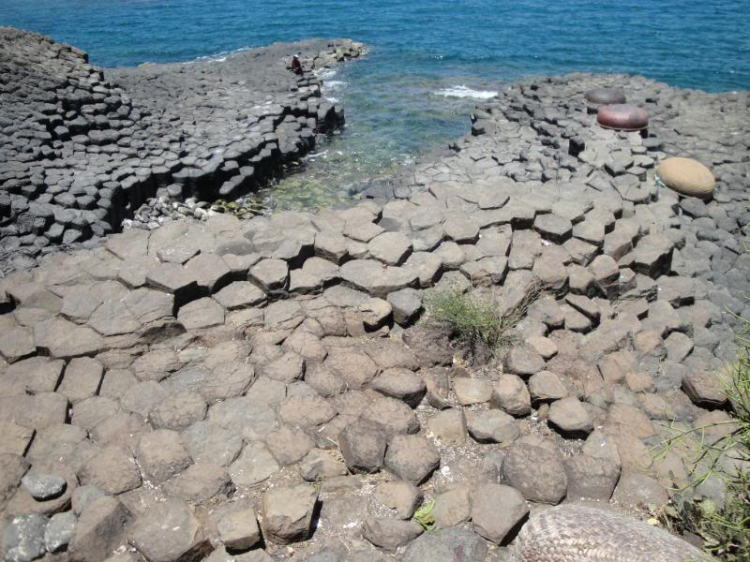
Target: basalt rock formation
<point>82,148</point>
<point>265,389</point>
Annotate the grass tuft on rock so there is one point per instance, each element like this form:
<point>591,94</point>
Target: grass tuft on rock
<point>475,322</point>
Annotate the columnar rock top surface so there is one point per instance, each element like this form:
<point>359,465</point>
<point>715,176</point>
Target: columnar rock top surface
<point>268,389</point>
<point>82,148</point>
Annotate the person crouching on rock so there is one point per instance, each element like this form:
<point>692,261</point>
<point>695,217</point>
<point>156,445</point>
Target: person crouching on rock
<point>296,65</point>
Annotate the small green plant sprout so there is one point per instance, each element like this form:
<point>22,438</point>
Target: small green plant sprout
<point>424,516</point>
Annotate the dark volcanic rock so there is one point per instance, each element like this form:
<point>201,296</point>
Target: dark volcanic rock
<point>150,135</point>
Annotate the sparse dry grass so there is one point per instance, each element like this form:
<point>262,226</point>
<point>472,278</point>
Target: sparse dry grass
<point>477,323</point>
<point>725,529</point>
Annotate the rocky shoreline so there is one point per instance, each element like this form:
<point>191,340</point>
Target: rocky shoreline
<point>269,389</point>
<point>83,148</point>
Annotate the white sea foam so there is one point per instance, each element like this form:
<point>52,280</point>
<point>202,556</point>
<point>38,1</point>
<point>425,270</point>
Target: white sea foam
<point>218,57</point>
<point>315,155</point>
<point>466,92</point>
<point>332,99</point>
<point>333,84</point>
<point>326,73</point>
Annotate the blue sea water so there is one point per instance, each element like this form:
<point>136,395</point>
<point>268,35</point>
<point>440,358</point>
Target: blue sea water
<point>430,62</point>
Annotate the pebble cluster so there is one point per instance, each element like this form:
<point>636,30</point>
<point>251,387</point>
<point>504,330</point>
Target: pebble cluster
<point>80,152</point>
<point>264,389</point>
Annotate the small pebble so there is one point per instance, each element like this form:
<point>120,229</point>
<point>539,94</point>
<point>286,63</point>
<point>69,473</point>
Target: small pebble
<point>43,486</point>
<point>59,531</point>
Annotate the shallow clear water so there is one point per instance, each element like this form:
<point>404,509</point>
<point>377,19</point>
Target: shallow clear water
<point>429,57</point>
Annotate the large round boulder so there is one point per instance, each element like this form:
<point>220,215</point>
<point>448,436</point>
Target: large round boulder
<point>687,177</point>
<point>622,117</point>
<point>604,96</point>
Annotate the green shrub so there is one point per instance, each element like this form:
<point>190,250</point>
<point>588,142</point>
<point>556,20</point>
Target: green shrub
<point>473,321</point>
<point>725,530</point>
